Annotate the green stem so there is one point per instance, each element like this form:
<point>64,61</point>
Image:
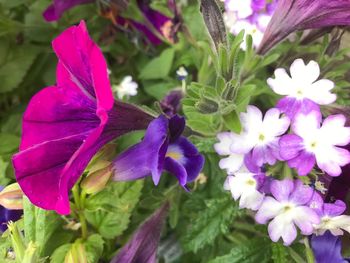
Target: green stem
<point>84,229</point>
<point>309,254</point>
<point>79,200</point>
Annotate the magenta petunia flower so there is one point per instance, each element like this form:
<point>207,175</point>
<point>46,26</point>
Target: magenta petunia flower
<point>65,125</point>
<point>58,7</point>
<point>294,15</point>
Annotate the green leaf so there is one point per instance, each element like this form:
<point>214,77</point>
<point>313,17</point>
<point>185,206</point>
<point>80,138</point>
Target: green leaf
<point>17,64</point>
<point>39,225</point>
<point>233,122</point>
<point>256,250</point>
<point>60,253</point>
<point>159,67</point>
<point>94,248</point>
<point>243,97</point>
<point>279,253</point>
<point>210,223</point>
<point>8,143</point>
<point>109,211</point>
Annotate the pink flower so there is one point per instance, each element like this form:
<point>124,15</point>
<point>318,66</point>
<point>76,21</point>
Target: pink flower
<point>65,125</point>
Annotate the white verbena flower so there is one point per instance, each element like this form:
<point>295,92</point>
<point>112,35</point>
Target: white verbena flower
<point>127,87</point>
<point>331,215</point>
<point>234,161</point>
<point>244,186</point>
<point>302,89</point>
<point>260,135</point>
<point>288,208</point>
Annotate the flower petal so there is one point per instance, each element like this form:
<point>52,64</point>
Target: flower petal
<point>144,158</point>
<point>270,208</point>
<point>281,190</point>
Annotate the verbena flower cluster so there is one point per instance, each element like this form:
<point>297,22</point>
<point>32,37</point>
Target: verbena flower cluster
<point>253,16</point>
<point>296,135</point>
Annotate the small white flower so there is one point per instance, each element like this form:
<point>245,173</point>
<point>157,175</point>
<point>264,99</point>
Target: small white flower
<point>234,161</point>
<point>244,186</point>
<point>181,73</point>
<point>126,88</point>
<point>260,135</point>
<point>335,225</point>
<point>302,83</point>
<point>242,8</point>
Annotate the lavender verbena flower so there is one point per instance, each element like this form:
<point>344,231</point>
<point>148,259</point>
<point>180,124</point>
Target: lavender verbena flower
<point>142,248</point>
<point>331,215</point>
<point>245,186</point>
<point>260,135</point>
<point>294,15</point>
<point>163,148</point>
<point>327,249</point>
<point>234,161</point>
<point>288,206</point>
<point>302,89</point>
<point>65,125</point>
<point>312,143</point>
<point>252,16</point>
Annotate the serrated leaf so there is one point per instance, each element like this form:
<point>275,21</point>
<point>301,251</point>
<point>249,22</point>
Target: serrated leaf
<point>94,248</point>
<point>159,67</point>
<point>17,64</point>
<point>210,223</point>
<point>109,211</point>
<point>256,250</point>
<point>279,253</point>
<point>39,225</point>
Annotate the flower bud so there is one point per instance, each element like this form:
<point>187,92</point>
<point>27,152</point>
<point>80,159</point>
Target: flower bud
<point>207,106</point>
<point>97,179</point>
<point>11,197</point>
<point>77,253</point>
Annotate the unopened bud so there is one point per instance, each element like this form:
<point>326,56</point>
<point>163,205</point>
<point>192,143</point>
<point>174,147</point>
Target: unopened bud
<point>97,180</point>
<point>207,106</point>
<point>77,253</point>
<point>11,197</point>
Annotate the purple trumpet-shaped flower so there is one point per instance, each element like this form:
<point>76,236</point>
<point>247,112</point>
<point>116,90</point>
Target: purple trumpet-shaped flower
<point>160,23</point>
<point>142,248</point>
<point>327,248</point>
<point>7,215</point>
<point>288,208</point>
<point>58,7</point>
<point>315,143</point>
<point>294,15</point>
<point>163,148</point>
<point>65,125</point>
